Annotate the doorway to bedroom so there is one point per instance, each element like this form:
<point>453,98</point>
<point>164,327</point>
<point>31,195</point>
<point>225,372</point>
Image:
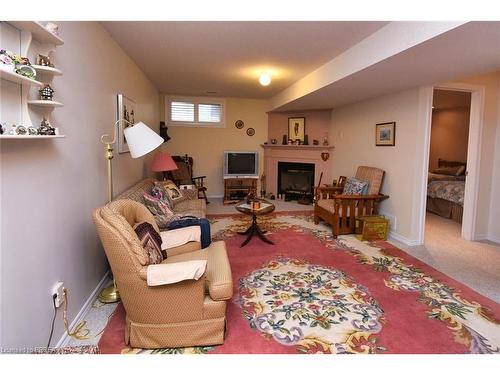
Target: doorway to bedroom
<point>447,169</point>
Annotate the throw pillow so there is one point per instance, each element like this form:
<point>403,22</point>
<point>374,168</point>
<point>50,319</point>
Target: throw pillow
<point>353,186</point>
<point>151,242</point>
<point>173,192</point>
<point>159,191</point>
<point>156,206</point>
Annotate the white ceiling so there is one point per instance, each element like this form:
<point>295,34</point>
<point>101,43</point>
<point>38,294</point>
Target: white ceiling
<point>467,50</point>
<point>193,58</point>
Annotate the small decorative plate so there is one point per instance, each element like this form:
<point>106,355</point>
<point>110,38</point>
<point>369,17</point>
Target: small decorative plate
<point>250,131</point>
<point>239,124</point>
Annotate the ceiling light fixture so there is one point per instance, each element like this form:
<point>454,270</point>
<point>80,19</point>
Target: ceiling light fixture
<point>265,79</point>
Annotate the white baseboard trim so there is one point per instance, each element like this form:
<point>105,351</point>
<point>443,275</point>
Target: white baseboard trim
<point>402,239</point>
<point>63,341</point>
<point>482,237</point>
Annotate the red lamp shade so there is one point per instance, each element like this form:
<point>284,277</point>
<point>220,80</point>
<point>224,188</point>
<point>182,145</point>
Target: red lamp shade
<point>163,162</point>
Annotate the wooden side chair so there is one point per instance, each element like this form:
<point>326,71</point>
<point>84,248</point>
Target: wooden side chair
<point>340,211</point>
<point>184,175</point>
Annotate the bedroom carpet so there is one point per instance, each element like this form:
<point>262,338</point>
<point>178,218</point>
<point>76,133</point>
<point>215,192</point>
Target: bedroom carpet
<point>310,293</point>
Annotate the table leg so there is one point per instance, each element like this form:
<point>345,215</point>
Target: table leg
<point>252,230</point>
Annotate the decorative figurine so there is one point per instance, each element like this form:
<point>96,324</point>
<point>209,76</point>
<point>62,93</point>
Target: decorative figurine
<point>13,130</point>
<point>163,132</point>
<point>26,71</point>
<point>325,139</point>
<point>21,130</point>
<point>2,128</point>
<point>7,61</point>
<point>315,142</point>
<point>46,128</point>
<point>274,141</point>
<point>32,130</point>
<point>46,93</point>
<point>285,141</point>
<point>44,61</point>
<point>52,28</point>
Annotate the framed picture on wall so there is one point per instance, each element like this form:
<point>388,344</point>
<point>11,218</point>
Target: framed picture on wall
<point>385,134</point>
<point>296,128</point>
<point>126,110</point>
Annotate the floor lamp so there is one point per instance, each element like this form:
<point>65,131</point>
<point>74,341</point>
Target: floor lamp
<point>140,140</point>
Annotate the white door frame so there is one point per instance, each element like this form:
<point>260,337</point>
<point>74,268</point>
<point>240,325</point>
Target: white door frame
<point>473,158</point>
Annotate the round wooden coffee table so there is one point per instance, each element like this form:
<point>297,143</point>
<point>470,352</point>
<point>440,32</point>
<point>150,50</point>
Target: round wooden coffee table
<point>254,229</point>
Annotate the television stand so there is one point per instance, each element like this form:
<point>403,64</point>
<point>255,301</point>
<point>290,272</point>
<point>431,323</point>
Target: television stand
<point>236,188</point>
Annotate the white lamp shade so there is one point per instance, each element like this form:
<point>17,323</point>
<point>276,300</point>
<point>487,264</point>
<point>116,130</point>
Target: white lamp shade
<point>141,139</point>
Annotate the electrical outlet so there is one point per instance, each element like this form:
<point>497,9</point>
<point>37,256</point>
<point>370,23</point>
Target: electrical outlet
<point>58,290</point>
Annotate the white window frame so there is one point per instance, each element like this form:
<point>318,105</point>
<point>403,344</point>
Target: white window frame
<point>196,100</point>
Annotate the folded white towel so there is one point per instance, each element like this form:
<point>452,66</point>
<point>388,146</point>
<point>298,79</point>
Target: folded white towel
<point>170,273</point>
<point>181,236</point>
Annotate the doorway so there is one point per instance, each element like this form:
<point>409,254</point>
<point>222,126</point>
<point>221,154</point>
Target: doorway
<point>470,195</point>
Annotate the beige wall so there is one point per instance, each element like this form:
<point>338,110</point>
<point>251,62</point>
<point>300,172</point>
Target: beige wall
<point>353,135</point>
<point>449,135</point>
<point>207,145</point>
<point>353,138</point>
<point>317,124</point>
<point>488,207</point>
<point>50,187</point>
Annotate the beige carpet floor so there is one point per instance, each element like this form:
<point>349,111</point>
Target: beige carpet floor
<point>474,263</point>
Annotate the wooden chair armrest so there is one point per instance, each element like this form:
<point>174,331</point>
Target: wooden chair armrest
<point>361,197</point>
<point>327,192</point>
<point>330,188</point>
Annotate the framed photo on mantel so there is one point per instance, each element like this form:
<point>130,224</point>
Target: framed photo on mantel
<point>296,129</point>
<point>385,134</point>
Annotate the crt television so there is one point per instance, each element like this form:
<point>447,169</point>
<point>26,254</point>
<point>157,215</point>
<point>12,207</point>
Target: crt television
<point>243,164</point>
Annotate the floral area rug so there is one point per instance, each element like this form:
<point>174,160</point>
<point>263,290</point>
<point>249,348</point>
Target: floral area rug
<point>309,293</point>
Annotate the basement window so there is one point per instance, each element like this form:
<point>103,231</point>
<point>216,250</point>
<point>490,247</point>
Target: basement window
<point>195,112</point>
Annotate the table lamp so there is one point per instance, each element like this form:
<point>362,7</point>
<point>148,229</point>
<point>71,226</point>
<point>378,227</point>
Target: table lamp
<point>163,162</point>
<point>141,140</point>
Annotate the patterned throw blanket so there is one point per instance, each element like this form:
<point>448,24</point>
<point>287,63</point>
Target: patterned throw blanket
<point>448,190</point>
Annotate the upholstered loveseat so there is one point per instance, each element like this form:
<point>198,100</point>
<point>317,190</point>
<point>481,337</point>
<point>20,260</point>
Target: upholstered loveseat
<point>190,206</point>
<point>186,313</point>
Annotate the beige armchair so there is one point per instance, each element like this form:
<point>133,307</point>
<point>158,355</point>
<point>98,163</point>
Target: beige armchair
<point>187,313</point>
<point>340,211</point>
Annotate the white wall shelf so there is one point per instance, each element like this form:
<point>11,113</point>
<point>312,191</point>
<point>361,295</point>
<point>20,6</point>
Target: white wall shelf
<point>30,137</point>
<point>17,78</point>
<point>47,70</point>
<point>38,32</point>
<point>45,103</point>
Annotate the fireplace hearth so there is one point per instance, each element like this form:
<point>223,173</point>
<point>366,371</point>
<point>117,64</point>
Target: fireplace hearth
<point>296,181</point>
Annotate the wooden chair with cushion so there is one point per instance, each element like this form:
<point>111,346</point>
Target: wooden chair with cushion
<point>184,175</point>
<point>340,211</point>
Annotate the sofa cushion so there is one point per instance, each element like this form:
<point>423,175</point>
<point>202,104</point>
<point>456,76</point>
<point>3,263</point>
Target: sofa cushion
<point>151,242</point>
